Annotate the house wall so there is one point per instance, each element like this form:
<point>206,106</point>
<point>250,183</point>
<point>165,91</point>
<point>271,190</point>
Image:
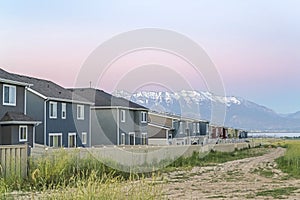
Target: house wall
<point>140,127</point>
<point>19,101</point>
<point>155,132</point>
<point>10,135</point>
<point>69,125</point>
<point>35,109</point>
<point>104,127</point>
<point>155,119</point>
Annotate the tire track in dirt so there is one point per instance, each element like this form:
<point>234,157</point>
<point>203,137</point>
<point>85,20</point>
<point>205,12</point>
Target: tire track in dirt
<point>239,179</point>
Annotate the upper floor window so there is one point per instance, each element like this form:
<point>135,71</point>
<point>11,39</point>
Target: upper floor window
<point>63,110</point>
<point>144,117</point>
<point>123,116</point>
<point>80,112</point>
<point>198,127</point>
<point>9,95</point>
<point>22,133</point>
<point>53,110</point>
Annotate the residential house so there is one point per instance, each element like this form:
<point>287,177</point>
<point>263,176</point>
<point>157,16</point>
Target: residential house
<point>16,127</point>
<point>65,118</point>
<point>167,129</point>
<point>161,128</point>
<point>115,120</point>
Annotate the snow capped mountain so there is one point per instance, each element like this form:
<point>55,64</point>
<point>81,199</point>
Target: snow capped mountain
<point>240,113</point>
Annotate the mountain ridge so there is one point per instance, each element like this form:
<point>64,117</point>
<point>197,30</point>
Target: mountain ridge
<point>239,112</point>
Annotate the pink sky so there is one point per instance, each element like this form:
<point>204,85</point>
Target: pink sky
<point>254,44</point>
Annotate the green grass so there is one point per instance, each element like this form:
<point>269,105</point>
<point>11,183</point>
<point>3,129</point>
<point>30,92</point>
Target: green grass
<point>277,193</point>
<point>290,162</point>
<point>66,176</point>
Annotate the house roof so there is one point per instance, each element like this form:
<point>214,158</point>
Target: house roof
<point>17,118</point>
<point>7,77</point>
<point>104,99</point>
<point>45,88</point>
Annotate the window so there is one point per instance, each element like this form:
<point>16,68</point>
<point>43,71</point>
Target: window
<point>198,127</point>
<point>63,110</point>
<point>144,117</point>
<point>9,95</point>
<point>144,138</point>
<point>53,110</point>
<point>194,127</point>
<point>72,140</point>
<point>84,138</point>
<point>80,112</point>
<point>23,133</point>
<point>123,117</point>
<point>181,127</point>
<point>55,139</point>
<point>123,139</point>
<point>131,138</point>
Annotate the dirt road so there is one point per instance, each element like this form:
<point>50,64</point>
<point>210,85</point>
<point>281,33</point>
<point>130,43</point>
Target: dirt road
<point>250,178</point>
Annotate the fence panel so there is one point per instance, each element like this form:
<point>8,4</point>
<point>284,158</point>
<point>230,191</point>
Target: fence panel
<point>14,161</point>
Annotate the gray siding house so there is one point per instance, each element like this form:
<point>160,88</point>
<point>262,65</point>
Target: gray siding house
<point>16,127</point>
<point>114,120</point>
<point>168,129</point>
<point>65,118</point>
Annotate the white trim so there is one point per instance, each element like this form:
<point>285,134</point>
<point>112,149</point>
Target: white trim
<point>82,112</point>
<point>36,93</point>
<point>55,134</point>
<point>131,133</point>
<point>15,95</point>
<point>84,133</point>
<point>72,134</point>
<point>123,116</point>
<point>54,116</point>
<point>20,122</point>
<point>25,100</point>
<point>117,107</point>
<point>26,133</point>
<point>63,110</point>
<point>45,122</point>
<point>176,117</point>
<point>159,126</point>
<point>90,128</point>
<point>70,101</point>
<point>58,99</point>
<point>118,126</point>
<point>15,82</point>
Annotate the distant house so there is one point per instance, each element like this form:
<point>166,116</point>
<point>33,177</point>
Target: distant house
<point>16,127</point>
<point>161,128</point>
<point>65,119</point>
<point>167,129</point>
<point>114,120</point>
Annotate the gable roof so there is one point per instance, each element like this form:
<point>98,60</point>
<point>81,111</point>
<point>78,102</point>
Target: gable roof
<point>43,88</point>
<point>104,99</point>
<point>7,77</point>
<point>17,118</point>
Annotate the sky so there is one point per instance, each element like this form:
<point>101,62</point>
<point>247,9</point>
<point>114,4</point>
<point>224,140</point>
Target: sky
<point>254,44</point>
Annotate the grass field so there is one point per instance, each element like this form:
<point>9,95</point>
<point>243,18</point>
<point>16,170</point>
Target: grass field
<point>66,177</point>
<point>290,162</point>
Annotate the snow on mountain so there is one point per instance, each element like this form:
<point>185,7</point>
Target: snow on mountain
<point>240,113</point>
